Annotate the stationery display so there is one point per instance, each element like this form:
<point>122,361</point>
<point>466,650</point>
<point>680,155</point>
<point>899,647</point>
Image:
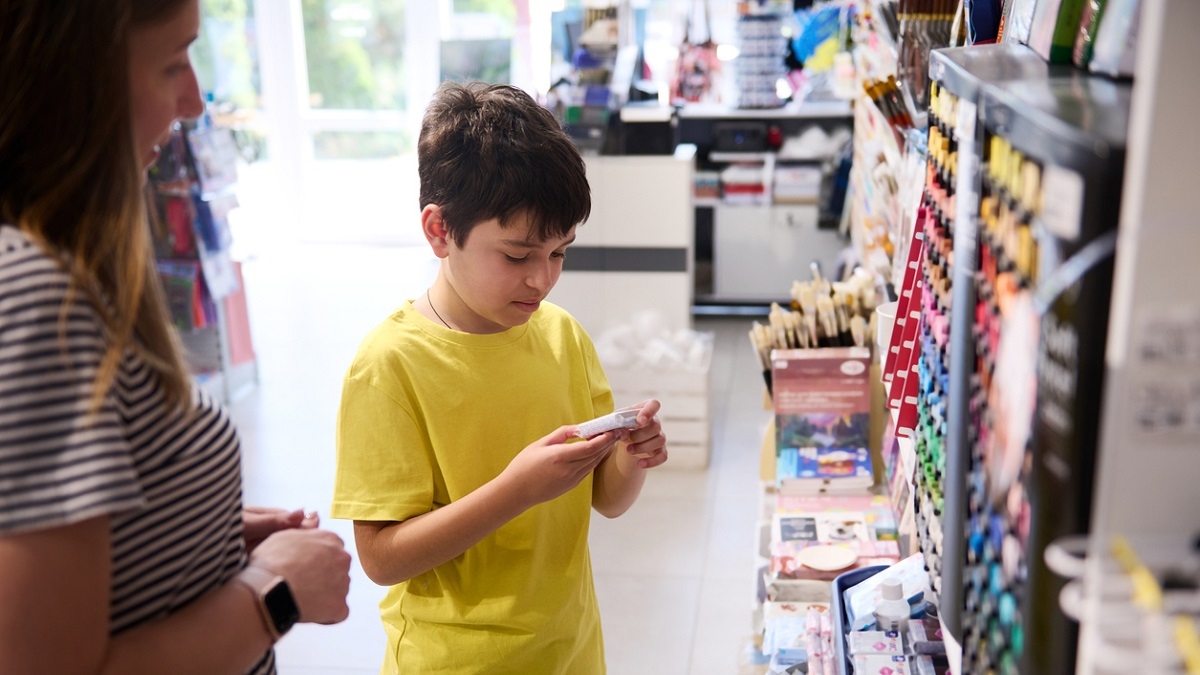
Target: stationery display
<point>1016,280</point>
<point>191,194</point>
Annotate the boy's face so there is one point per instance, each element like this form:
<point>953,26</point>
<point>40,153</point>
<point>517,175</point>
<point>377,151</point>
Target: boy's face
<point>501,275</point>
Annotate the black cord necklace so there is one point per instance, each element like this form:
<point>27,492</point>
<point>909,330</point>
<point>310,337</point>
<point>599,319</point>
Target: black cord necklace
<point>435,312</point>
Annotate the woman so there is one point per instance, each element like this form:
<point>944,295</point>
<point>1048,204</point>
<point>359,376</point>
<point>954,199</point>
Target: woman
<point>123,544</point>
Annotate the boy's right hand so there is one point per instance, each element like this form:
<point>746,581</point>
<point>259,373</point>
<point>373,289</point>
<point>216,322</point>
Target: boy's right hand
<point>317,568</point>
<point>553,465</point>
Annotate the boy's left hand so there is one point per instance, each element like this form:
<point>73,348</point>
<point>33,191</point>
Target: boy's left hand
<point>646,441</point>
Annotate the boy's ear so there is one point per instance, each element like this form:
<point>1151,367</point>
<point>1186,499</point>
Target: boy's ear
<point>434,228</point>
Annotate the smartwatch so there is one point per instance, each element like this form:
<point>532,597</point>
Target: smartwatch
<point>275,600</point>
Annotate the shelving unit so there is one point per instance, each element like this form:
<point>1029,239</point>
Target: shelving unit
<point>984,542</point>
<point>747,254</point>
<point>963,73</point>
<point>193,182</point>
<point>1075,126</point>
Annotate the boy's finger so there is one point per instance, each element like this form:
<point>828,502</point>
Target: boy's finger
<point>561,435</point>
<point>649,408</point>
<point>651,462</point>
<point>585,450</point>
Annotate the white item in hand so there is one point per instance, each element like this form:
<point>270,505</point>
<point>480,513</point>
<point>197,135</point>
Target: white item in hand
<point>621,419</point>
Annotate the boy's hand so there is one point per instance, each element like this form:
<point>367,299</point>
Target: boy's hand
<point>552,465</point>
<point>646,441</point>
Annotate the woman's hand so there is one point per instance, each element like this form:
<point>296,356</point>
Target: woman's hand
<point>316,566</point>
<point>260,522</point>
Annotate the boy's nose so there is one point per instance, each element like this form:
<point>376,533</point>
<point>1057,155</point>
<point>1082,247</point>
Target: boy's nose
<point>540,278</point>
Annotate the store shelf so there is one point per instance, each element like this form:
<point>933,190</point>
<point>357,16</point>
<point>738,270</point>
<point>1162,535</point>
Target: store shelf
<point>1074,117</point>
<point>739,156</point>
<point>806,110</point>
<point>965,70</point>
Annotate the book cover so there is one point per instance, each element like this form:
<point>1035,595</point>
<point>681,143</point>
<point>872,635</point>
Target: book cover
<point>788,567</point>
<point>828,468</point>
<point>793,532</point>
<point>822,418</point>
<point>876,510</point>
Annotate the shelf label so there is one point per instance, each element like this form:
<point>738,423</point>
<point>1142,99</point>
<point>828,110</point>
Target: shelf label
<point>967,203</point>
<point>1062,209</point>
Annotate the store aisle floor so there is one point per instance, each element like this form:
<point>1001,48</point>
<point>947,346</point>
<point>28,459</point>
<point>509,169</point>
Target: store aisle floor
<point>674,575</point>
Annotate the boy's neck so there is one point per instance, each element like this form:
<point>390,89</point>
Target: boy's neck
<point>442,305</point>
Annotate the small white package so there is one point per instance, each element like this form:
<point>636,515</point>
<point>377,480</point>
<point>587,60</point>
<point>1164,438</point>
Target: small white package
<point>879,664</point>
<point>875,642</point>
<point>621,419</point>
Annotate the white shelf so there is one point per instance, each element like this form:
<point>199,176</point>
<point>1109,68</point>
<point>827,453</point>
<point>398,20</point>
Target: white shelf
<point>807,110</point>
<point>717,156</point>
<point>740,156</point>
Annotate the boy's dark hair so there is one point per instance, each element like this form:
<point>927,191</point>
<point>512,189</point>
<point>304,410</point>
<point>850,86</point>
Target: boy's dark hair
<point>490,151</point>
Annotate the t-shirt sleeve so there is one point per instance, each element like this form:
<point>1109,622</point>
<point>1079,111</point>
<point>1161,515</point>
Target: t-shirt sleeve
<point>601,392</point>
<point>60,462</point>
<point>384,470</point>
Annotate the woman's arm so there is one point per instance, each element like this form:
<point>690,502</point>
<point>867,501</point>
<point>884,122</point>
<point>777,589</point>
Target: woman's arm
<point>393,552</point>
<point>54,613</point>
<point>54,606</point>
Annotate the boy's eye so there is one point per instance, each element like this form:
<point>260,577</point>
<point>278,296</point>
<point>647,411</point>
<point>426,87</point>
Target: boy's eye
<point>516,260</point>
<point>559,255</point>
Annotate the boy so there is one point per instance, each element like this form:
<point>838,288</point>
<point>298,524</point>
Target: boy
<point>467,501</point>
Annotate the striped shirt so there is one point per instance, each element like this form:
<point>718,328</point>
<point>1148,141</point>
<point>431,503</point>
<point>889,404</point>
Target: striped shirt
<point>169,480</point>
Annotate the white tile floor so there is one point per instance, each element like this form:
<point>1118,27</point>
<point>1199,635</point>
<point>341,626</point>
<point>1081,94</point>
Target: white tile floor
<point>674,576</point>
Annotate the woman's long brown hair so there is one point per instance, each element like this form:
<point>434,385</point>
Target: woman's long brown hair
<point>70,176</point>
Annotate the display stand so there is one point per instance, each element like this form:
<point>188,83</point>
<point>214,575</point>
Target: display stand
<point>192,184</point>
<point>1073,126</point>
<point>963,72</point>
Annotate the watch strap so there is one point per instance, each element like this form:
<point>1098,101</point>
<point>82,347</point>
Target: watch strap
<point>262,582</point>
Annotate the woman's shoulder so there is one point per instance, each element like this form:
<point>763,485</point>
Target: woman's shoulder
<point>17,247</point>
<point>26,269</point>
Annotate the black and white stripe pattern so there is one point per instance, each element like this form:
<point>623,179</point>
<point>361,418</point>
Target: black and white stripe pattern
<point>169,480</point>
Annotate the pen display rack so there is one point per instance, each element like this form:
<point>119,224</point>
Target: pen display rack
<point>1058,145</point>
<point>999,511</point>
<point>933,357</point>
<point>1030,279</point>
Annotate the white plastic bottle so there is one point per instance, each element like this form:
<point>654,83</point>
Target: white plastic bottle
<point>892,610</point>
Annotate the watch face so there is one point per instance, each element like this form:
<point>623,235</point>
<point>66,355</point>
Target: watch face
<point>281,606</point>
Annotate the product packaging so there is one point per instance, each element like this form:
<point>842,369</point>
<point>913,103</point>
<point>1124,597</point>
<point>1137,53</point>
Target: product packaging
<point>1055,26</point>
<point>925,637</point>
<point>876,664</point>
<point>891,609</point>
<point>1114,50</point>
<point>860,600</point>
<point>875,642</point>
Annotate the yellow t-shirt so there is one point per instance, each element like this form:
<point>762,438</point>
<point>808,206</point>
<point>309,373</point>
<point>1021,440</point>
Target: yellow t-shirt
<point>427,416</point>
